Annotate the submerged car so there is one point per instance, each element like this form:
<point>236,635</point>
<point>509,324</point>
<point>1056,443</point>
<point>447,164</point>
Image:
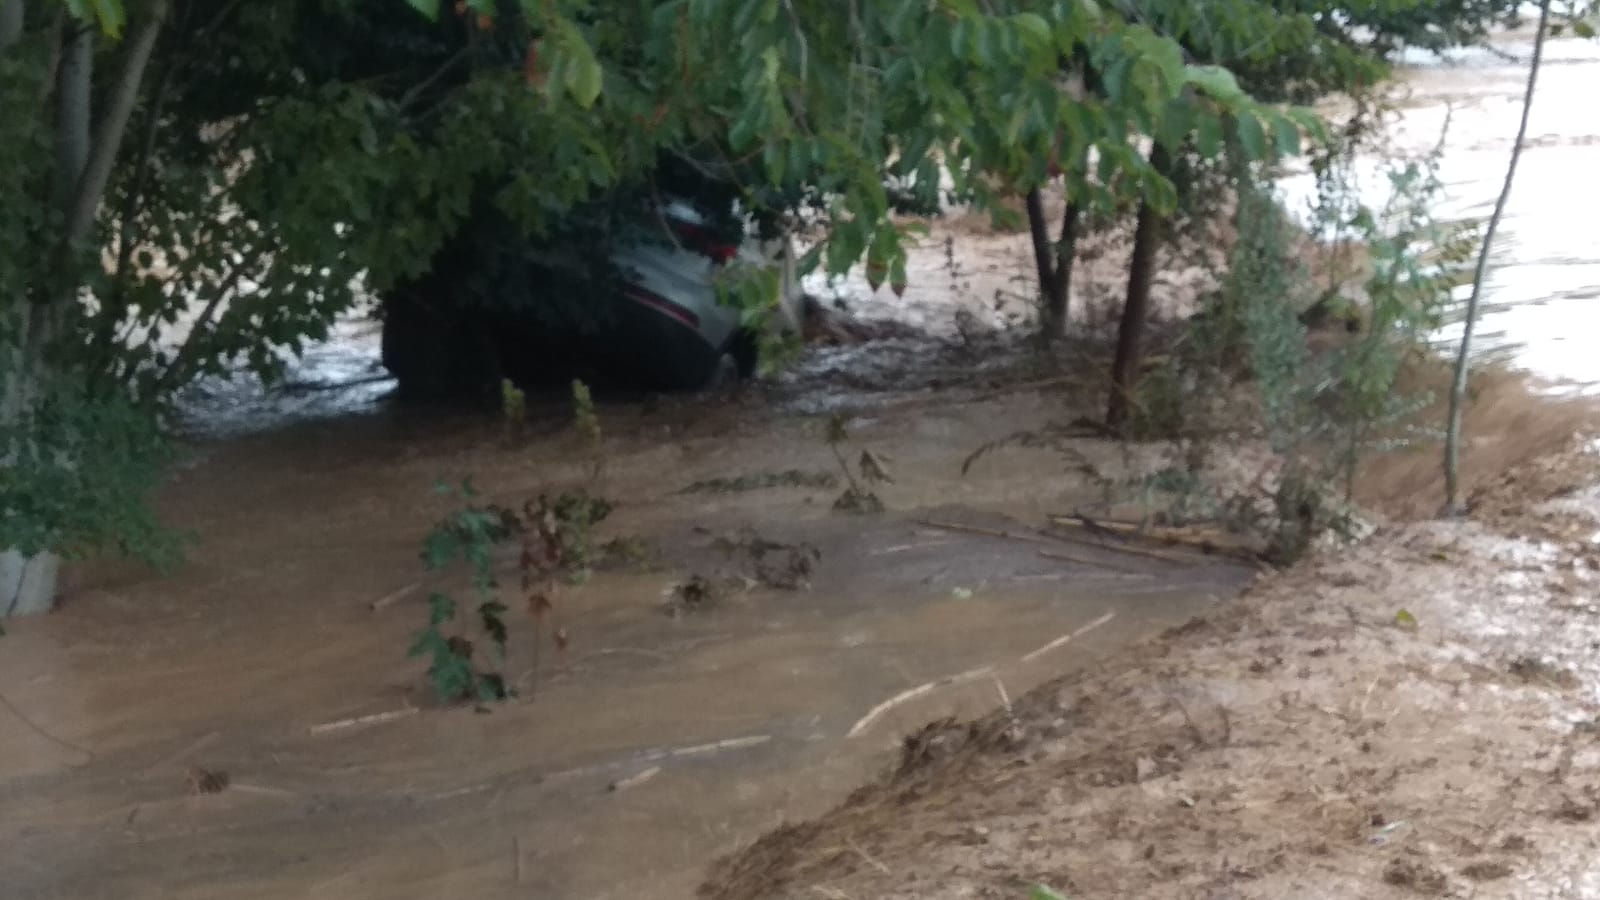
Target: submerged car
<point>656,318</point>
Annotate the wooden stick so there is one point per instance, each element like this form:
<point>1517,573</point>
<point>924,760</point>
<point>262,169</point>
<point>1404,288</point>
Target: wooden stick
<point>1119,548</point>
<point>657,755</point>
<point>864,855</point>
<point>1005,699</point>
<point>989,532</point>
<point>457,792</point>
<point>877,712</point>
<point>626,651</point>
<point>1211,542</point>
<point>634,780</point>
<point>1067,638</point>
<point>372,719</point>
<point>737,743</point>
<point>245,788</point>
<point>1069,557</point>
<point>394,596</point>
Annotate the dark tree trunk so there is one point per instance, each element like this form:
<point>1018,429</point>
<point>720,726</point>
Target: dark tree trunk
<point>1053,260</point>
<point>1147,238</point>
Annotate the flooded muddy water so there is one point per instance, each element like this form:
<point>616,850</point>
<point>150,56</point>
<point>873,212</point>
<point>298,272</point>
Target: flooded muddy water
<point>718,724</point>
<point>652,743</point>
<point>1542,295</point>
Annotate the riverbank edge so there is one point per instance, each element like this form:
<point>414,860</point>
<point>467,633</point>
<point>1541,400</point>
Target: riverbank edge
<point>1412,714</point>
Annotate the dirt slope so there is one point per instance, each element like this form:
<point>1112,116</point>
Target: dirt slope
<point>1415,716</point>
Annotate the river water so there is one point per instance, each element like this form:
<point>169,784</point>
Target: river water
<point>1540,298</point>
<point>1543,279</point>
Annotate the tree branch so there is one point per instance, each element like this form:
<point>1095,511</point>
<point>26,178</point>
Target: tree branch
<point>1458,386</point>
<point>415,93</point>
<point>185,358</point>
<point>108,137</point>
<point>74,81</point>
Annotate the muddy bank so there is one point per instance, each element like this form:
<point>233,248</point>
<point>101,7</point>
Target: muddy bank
<point>1413,716</point>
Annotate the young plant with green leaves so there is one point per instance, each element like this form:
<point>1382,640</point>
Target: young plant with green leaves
<point>555,539</point>
<point>456,668</point>
<point>1324,412</point>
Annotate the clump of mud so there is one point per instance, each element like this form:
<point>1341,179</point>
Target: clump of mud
<point>750,561</point>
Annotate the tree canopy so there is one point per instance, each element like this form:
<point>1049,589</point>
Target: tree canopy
<point>192,186</point>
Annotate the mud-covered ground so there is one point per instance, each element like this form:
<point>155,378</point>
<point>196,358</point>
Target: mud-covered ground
<point>1412,716</point>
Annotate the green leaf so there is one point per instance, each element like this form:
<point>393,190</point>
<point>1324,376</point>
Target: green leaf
<point>1168,60</point>
<point>1583,28</point>
<point>1040,892</point>
<point>989,42</point>
<point>584,77</point>
<point>1251,137</point>
<point>1175,125</point>
<point>440,609</point>
<point>958,38</point>
<point>1115,79</point>
<point>1309,122</point>
<point>1286,136</point>
<point>745,128</point>
<point>429,8</point>
<point>1034,27</point>
<point>110,15</point>
<point>1215,81</point>
<point>1208,135</point>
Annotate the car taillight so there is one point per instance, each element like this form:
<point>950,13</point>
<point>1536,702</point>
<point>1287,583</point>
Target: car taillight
<point>702,241</point>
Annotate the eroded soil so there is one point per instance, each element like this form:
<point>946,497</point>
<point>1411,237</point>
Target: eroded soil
<point>1415,716</point>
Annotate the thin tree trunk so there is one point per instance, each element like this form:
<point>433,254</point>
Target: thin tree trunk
<point>1458,387</point>
<point>1066,259</point>
<point>1053,260</point>
<point>84,162</point>
<point>28,580</point>
<point>1044,262</point>
<point>16,574</point>
<point>96,172</point>
<point>74,84</point>
<point>11,22</point>
<point>1147,237</point>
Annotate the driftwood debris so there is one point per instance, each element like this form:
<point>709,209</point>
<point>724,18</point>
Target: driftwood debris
<point>984,671</point>
<point>357,721</point>
<point>1068,638</point>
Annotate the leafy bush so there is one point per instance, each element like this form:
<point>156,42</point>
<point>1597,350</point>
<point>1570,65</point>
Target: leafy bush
<point>556,543</point>
<point>78,478</point>
<point>1325,409</point>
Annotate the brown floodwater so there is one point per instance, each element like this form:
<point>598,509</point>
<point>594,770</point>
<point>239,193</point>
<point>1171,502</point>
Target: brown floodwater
<point>231,663</point>
<point>1543,286</point>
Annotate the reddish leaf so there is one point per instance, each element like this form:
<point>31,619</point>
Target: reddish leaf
<point>876,272</point>
<point>530,70</point>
